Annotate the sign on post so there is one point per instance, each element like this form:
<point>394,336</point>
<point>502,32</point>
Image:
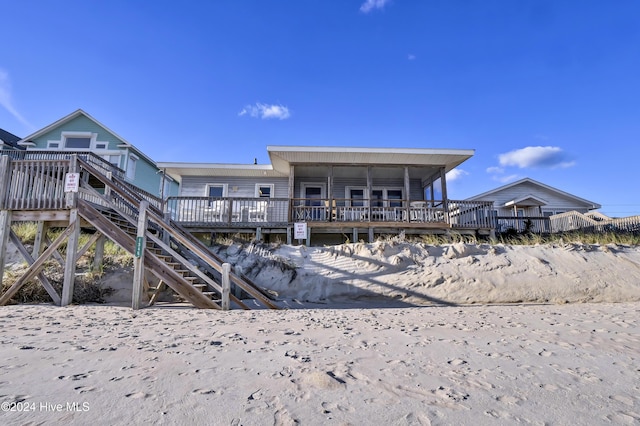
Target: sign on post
<point>300,230</point>
<point>71,182</point>
<point>139,242</point>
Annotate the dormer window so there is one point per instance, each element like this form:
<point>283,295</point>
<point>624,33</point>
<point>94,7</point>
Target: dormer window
<point>77,143</point>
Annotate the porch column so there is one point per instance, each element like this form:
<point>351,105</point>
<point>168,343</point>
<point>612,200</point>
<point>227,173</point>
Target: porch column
<point>407,191</point>
<point>330,193</point>
<point>445,197</point>
<point>369,186</point>
<point>291,192</point>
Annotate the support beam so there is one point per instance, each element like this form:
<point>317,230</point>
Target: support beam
<point>5,177</point>
<point>37,266</point>
<point>41,231</point>
<point>138,259</point>
<point>226,286</point>
<point>98,257</point>
<point>369,188</point>
<point>445,197</point>
<point>70,261</point>
<point>5,230</point>
<point>43,279</point>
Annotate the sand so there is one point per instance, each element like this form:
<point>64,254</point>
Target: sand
<point>530,364</point>
<point>383,333</point>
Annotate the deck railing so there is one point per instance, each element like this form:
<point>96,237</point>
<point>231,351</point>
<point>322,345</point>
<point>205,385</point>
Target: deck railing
<point>33,184</point>
<point>96,161</point>
<point>359,210</point>
<point>535,224</point>
<point>572,221</point>
<point>228,211</point>
<point>470,214</point>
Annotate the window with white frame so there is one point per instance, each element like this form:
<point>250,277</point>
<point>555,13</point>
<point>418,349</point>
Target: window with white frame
<point>132,161</point>
<point>356,196</point>
<point>386,197</point>
<point>113,159</point>
<point>216,190</point>
<point>264,190</point>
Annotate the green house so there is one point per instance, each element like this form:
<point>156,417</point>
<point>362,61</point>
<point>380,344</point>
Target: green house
<point>79,132</point>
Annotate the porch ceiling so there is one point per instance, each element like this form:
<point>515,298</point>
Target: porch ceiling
<point>177,170</point>
<point>284,156</point>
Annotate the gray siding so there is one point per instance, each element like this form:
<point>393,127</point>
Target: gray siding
<point>555,201</point>
<point>238,187</point>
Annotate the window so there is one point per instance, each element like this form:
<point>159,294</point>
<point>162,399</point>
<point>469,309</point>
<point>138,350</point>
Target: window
<point>386,197</point>
<point>131,166</point>
<point>313,193</point>
<point>264,190</point>
<point>113,159</point>
<point>77,143</point>
<point>356,197</point>
<point>101,145</point>
<point>216,190</point>
<point>52,145</point>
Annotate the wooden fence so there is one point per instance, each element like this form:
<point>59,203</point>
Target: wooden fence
<point>572,221</point>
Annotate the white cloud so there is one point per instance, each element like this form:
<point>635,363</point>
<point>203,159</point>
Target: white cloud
<point>495,169</point>
<point>455,174</point>
<point>6,100</point>
<point>266,111</point>
<point>370,5</point>
<point>536,157</point>
<point>506,179</point>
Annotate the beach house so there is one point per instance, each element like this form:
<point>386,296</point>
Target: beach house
<point>335,192</point>
<point>80,133</point>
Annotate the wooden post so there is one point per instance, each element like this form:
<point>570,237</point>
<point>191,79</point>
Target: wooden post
<point>291,191</point>
<point>71,198</point>
<point>407,191</point>
<point>369,185</point>
<point>354,235</point>
<point>308,236</point>
<point>226,286</point>
<point>330,193</point>
<point>289,236</point>
<point>445,198</point>
<point>5,177</point>
<point>5,230</point>
<point>98,258</point>
<point>259,233</point>
<point>70,261</point>
<point>138,259</point>
<point>39,238</point>
<point>371,234</point>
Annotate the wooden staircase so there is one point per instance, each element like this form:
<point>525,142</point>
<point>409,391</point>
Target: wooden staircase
<point>174,256</point>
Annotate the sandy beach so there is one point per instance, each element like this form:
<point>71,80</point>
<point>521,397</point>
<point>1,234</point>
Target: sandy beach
<point>530,364</point>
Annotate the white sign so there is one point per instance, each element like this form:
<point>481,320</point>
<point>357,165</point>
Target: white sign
<point>71,182</point>
<point>300,230</point>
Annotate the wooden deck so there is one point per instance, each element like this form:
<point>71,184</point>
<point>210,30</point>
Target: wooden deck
<point>73,193</point>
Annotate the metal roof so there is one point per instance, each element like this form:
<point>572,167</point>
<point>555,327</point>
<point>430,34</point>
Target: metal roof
<point>284,156</point>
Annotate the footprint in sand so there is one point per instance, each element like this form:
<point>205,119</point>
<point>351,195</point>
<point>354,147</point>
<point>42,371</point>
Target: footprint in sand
<point>138,395</point>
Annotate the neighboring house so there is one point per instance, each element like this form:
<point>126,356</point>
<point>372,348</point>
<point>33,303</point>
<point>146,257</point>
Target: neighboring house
<point>9,140</point>
<point>529,198</point>
<point>333,189</point>
<point>79,132</point>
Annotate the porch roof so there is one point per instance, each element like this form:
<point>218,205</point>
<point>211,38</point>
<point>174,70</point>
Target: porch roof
<point>284,156</point>
<point>177,170</point>
<point>526,201</point>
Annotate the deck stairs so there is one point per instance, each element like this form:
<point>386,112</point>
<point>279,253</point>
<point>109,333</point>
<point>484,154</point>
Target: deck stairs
<point>172,255</point>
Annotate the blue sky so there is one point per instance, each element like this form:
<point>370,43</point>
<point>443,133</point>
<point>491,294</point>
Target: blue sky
<point>542,89</point>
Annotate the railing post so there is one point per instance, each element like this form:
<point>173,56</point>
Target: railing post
<point>5,177</point>
<point>138,259</point>
<point>226,287</point>
<point>71,198</point>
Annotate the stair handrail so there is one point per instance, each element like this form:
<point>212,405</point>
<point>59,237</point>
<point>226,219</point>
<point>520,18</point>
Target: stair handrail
<point>184,237</point>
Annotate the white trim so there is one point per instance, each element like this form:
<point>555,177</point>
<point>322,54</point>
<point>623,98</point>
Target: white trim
<point>257,189</point>
<point>225,188</point>
<point>130,173</point>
